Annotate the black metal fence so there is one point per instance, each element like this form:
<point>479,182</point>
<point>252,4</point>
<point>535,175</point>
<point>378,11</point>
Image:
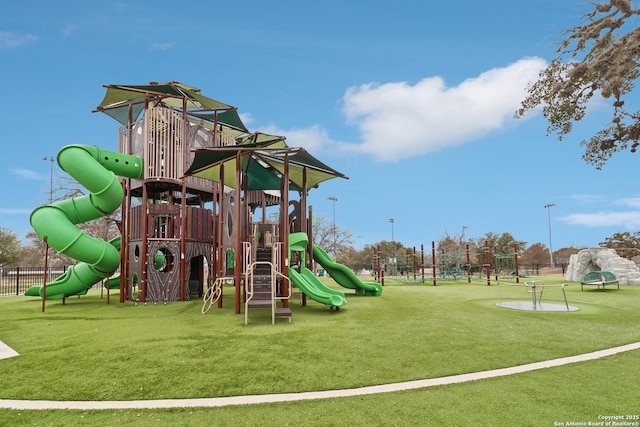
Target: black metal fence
<point>16,280</point>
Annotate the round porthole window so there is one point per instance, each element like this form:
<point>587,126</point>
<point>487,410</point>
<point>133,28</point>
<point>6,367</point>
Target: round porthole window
<point>229,224</point>
<point>163,260</point>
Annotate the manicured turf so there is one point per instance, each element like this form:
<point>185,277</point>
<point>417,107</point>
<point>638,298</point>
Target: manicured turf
<point>88,350</point>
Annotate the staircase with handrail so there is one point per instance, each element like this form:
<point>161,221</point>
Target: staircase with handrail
<point>263,284</point>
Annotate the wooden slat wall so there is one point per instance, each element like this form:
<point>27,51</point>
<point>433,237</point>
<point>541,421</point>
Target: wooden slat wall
<point>164,140</point>
<point>136,222</point>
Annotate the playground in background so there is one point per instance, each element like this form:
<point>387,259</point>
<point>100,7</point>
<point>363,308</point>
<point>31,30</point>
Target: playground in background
<point>190,181</point>
<point>418,266</point>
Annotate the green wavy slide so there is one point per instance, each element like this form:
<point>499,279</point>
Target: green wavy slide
<point>97,170</point>
<point>343,275</point>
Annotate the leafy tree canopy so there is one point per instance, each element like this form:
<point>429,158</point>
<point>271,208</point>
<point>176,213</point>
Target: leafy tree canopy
<point>536,254</point>
<point>623,240</point>
<point>329,236</point>
<point>562,255</point>
<point>501,243</point>
<point>9,247</point>
<point>356,260</point>
<point>598,56</point>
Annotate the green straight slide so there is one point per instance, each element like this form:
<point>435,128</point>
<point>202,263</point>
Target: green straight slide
<point>96,170</point>
<point>307,282</point>
<point>343,275</point>
<point>312,287</point>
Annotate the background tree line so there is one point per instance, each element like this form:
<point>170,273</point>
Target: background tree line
<point>339,243</point>
<point>454,247</point>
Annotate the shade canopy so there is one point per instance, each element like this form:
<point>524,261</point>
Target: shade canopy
<point>263,165</point>
<point>124,103</point>
<point>263,158</point>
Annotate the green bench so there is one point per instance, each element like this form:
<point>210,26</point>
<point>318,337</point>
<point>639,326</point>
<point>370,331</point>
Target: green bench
<point>599,278</point>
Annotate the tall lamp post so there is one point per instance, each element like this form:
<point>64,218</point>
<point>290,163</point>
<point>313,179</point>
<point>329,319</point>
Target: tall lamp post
<point>335,234</point>
<point>50,159</point>
<point>392,221</point>
<point>548,207</point>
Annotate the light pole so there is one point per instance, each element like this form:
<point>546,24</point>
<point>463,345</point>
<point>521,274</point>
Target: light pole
<point>335,234</point>
<point>46,254</point>
<point>548,207</point>
<point>464,227</point>
<point>50,159</point>
<point>392,221</point>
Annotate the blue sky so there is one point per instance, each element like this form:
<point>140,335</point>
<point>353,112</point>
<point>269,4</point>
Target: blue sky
<point>412,100</point>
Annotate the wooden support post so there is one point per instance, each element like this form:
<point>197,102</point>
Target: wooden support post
<point>238,243</point>
<point>515,254</point>
<point>422,260</point>
<point>433,261</point>
<point>468,265</point>
<point>183,239</point>
<point>46,270</point>
<point>487,262</point>
<point>142,290</point>
<point>285,229</point>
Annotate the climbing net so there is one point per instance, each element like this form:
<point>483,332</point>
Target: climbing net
<point>452,266</point>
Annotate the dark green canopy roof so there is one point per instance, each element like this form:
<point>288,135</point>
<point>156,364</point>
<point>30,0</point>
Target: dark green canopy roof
<point>262,138</point>
<point>263,165</point>
<point>119,99</point>
<point>228,118</point>
<point>263,156</point>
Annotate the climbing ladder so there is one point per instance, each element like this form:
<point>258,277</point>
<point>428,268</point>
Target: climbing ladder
<point>263,281</point>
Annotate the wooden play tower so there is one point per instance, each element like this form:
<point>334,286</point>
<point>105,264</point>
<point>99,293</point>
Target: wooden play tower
<point>188,221</point>
<point>168,232</point>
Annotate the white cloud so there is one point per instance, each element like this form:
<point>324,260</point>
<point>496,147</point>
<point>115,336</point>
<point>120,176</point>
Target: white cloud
<point>27,174</point>
<point>10,40</point>
<point>314,139</point>
<point>399,120</point>
<point>628,220</point>
<point>16,211</point>
<point>69,29</point>
<point>246,118</point>
<point>632,202</point>
<point>588,198</point>
<point>162,46</point>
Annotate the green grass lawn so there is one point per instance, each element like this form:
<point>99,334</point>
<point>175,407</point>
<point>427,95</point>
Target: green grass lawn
<point>90,350</point>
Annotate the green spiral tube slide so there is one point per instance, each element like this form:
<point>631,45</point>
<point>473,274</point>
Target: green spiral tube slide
<point>97,170</point>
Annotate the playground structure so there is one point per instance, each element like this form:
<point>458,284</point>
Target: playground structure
<point>625,270</point>
<point>418,266</point>
<point>190,181</point>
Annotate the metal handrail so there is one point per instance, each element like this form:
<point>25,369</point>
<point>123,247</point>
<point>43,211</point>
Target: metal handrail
<point>274,297</point>
<point>249,286</point>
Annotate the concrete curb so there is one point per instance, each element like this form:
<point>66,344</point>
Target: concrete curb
<point>6,351</point>
<point>287,397</point>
